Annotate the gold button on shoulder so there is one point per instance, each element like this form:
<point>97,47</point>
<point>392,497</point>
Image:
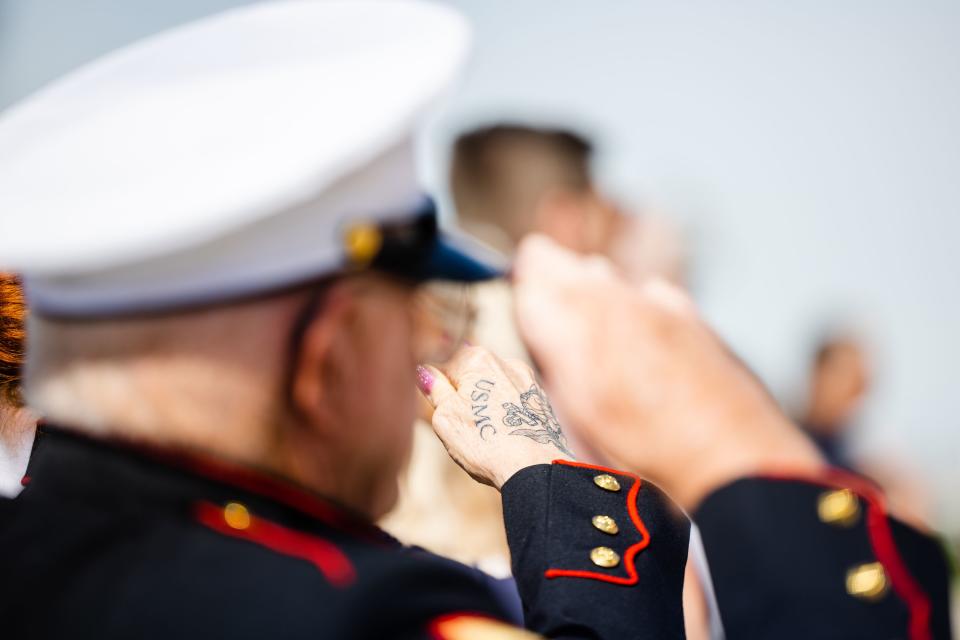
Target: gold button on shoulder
<point>604,557</point>
<point>867,581</point>
<point>840,508</point>
<point>606,481</point>
<point>236,516</point>
<point>606,524</point>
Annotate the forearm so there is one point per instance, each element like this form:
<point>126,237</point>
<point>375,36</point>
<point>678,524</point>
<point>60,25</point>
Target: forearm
<point>818,556</point>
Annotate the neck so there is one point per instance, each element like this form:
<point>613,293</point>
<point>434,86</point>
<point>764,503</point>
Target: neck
<point>314,462</point>
<point>824,418</point>
<point>232,425</point>
<point>172,404</point>
<point>17,426</point>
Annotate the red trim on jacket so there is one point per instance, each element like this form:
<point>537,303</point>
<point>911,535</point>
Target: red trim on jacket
<point>881,540</point>
<point>282,491</point>
<point>325,556</point>
<point>631,552</point>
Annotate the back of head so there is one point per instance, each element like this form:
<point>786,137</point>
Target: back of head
<point>500,173</point>
<point>180,274</point>
<point>162,375</point>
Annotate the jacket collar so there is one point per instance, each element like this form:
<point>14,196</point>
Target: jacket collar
<point>82,466</point>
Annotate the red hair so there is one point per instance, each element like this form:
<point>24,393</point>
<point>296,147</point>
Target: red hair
<point>13,313</point>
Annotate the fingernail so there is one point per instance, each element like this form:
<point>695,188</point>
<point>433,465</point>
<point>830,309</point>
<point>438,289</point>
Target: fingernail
<point>424,380</point>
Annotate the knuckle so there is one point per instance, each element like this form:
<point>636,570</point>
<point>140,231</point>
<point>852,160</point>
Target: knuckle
<point>477,358</point>
<point>519,365</point>
<point>448,413</point>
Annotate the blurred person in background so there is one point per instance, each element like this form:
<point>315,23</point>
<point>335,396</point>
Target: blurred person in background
<point>509,180</point>
<point>17,422</point>
<point>839,382</point>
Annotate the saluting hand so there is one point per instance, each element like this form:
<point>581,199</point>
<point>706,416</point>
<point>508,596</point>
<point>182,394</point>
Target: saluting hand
<point>643,378</point>
<point>492,415</point>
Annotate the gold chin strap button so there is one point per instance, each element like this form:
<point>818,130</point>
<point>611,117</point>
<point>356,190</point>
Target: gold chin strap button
<point>604,557</point>
<point>606,524</point>
<point>362,242</point>
<point>236,516</point>
<point>606,481</point>
<point>840,508</point>
<point>867,581</point>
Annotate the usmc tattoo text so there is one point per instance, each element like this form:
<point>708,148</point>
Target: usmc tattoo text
<point>479,398</point>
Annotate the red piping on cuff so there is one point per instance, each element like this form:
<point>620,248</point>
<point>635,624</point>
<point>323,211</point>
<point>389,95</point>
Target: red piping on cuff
<point>327,558</point>
<point>631,552</point>
<point>881,540</point>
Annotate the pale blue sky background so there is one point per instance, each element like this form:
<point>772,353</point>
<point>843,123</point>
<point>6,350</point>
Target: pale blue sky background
<point>811,149</point>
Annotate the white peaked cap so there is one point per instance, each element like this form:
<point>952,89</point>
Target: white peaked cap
<point>222,158</point>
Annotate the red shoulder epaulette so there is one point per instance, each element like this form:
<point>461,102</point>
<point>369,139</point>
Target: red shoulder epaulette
<point>235,520</point>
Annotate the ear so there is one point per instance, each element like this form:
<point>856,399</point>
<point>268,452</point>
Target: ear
<point>559,214</point>
<point>324,366</point>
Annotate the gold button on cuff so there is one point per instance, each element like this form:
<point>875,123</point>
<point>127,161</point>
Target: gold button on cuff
<point>362,242</point>
<point>236,516</point>
<point>606,481</point>
<point>867,581</point>
<point>604,557</point>
<point>840,508</point>
<point>606,524</point>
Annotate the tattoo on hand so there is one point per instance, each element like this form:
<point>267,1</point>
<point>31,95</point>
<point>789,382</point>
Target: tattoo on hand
<point>479,396</point>
<point>535,412</point>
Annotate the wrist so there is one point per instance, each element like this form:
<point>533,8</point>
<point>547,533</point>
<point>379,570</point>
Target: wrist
<point>776,449</point>
<point>502,478</point>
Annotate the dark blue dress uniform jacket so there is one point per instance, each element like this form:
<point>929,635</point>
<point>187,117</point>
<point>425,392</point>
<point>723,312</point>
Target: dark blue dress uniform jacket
<point>109,541</point>
<point>820,558</point>
<point>112,541</point>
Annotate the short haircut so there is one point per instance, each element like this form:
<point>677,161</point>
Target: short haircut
<point>13,312</point>
<point>499,172</point>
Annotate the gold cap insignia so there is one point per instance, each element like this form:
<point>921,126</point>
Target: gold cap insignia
<point>362,242</point>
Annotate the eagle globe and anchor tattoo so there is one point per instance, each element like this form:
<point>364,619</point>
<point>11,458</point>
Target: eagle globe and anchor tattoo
<point>534,418</point>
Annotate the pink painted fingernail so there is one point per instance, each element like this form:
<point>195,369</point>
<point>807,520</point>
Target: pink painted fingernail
<point>424,380</point>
